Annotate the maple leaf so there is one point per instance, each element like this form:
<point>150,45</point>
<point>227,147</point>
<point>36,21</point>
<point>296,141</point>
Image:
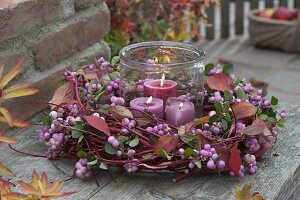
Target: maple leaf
<point>245,194</point>
<point>39,188</point>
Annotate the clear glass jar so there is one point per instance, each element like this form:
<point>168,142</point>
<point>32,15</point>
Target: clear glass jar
<point>181,66</point>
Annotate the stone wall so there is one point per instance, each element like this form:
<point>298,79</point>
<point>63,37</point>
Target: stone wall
<point>51,35</point>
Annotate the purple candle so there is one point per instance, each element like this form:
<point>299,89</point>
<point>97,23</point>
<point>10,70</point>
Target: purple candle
<point>152,105</point>
<point>162,88</point>
<point>179,111</point>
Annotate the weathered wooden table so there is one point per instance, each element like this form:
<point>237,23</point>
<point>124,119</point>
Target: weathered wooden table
<point>278,176</point>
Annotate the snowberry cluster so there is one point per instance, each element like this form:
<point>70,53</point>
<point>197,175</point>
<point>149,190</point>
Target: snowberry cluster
<point>90,89</point>
<point>129,123</point>
<point>117,101</point>
<point>70,76</point>
<point>160,129</point>
<point>216,97</point>
<point>248,88</point>
<point>113,141</point>
<point>251,161</point>
<point>187,96</point>
<point>82,168</point>
<point>214,71</point>
<point>239,127</point>
<point>114,87</point>
<point>214,159</point>
<point>252,145</point>
<point>131,167</point>
<point>241,172</point>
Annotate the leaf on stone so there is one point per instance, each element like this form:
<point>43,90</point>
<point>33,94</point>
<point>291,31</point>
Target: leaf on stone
<point>242,110</point>
<point>167,142</point>
<point>20,93</point>
<point>63,94</point>
<point>121,111</point>
<point>98,123</point>
<point>11,74</point>
<point>5,170</point>
<point>7,139</point>
<point>219,82</point>
<point>234,160</point>
<point>246,194</point>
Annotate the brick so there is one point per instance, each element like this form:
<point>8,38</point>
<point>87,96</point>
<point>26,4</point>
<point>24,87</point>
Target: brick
<point>83,4</point>
<point>20,16</point>
<point>71,36</point>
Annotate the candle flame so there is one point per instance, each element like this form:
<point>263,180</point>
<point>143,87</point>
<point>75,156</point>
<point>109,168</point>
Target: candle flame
<point>162,80</point>
<point>149,100</point>
<point>180,105</point>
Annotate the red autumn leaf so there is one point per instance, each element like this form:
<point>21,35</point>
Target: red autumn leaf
<point>220,82</point>
<point>98,123</point>
<point>167,143</point>
<point>234,160</point>
<point>63,94</point>
<point>243,109</point>
<point>254,130</point>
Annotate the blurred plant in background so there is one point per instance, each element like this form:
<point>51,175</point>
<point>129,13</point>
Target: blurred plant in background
<point>144,20</point>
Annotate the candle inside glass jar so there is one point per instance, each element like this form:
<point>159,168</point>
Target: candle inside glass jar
<point>179,111</point>
<point>160,88</point>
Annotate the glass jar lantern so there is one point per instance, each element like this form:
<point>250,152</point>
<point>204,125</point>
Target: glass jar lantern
<point>162,70</point>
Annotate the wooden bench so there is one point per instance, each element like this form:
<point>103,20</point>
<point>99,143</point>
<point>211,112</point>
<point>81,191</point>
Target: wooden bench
<point>277,178</point>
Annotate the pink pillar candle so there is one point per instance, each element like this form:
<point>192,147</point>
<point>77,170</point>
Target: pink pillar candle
<point>156,107</point>
<point>160,89</point>
<point>179,111</point>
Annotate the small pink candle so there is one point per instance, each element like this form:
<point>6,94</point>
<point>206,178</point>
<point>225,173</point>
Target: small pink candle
<point>162,89</point>
<point>179,111</point>
<point>152,105</point>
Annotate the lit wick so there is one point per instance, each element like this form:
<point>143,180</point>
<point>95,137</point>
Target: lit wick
<point>180,106</point>
<point>149,100</point>
<point>162,80</point>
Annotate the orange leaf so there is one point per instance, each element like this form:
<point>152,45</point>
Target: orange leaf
<point>15,196</point>
<point>201,121</point>
<point>6,183</point>
<point>43,182</point>
<point>17,87</point>
<point>17,122</point>
<point>27,188</point>
<point>243,109</point>
<point>6,170</point>
<point>34,180</point>
<point>11,74</point>
<point>98,123</point>
<point>167,143</point>
<point>7,116</point>
<point>220,82</point>
<point>7,140</point>
<point>245,193</point>
<point>55,187</point>
<point>63,94</point>
<point>1,70</point>
<point>20,93</point>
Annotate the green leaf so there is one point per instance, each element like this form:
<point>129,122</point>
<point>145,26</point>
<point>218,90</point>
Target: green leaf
<point>134,142</point>
<point>263,116</point>
<point>103,166</point>
<point>227,117</point>
<point>81,154</point>
<point>213,118</point>
<point>227,69</point>
<point>224,124</point>
<point>241,94</point>
<point>274,101</point>
<point>154,138</point>
<point>115,60</point>
<point>198,164</point>
<point>76,134</point>
<point>189,152</point>
<point>114,75</point>
<point>148,155</point>
<point>208,68</point>
<point>236,82</point>
<point>281,123</point>
<point>122,139</point>
<point>62,81</point>
<point>94,162</point>
<point>191,141</point>
<point>164,154</point>
<point>227,95</point>
<point>47,121</point>
<point>226,106</point>
<point>265,92</point>
<point>219,107</point>
<point>110,149</point>
<point>80,139</point>
<point>271,119</point>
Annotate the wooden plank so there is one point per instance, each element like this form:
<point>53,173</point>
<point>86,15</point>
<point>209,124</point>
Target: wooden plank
<point>239,17</point>
<point>253,4</point>
<point>283,3</point>
<point>131,186</point>
<point>210,31</point>
<point>225,18</point>
<point>269,3</point>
